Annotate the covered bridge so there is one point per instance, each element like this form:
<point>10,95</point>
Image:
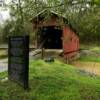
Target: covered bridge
<point>54,32</point>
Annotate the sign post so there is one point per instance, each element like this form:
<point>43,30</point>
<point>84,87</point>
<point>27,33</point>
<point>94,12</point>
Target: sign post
<point>18,60</point>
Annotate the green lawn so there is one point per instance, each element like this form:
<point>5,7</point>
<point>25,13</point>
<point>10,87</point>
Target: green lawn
<point>90,59</point>
<point>93,47</point>
<point>53,81</point>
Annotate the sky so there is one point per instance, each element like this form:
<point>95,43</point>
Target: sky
<point>4,13</point>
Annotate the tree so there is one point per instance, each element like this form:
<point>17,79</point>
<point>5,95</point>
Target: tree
<point>83,15</point>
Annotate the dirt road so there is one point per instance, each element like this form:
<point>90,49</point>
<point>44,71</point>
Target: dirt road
<point>91,67</point>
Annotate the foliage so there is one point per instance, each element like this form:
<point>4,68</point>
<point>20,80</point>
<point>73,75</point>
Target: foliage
<point>83,15</point>
<point>1,29</point>
<point>89,27</point>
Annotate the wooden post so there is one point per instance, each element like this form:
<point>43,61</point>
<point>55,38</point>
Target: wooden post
<point>42,53</point>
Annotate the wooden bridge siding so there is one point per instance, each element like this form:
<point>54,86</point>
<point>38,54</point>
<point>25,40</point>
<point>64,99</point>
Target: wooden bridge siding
<point>70,42</point>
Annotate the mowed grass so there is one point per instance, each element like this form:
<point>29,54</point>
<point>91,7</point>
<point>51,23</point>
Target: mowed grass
<point>53,81</point>
<point>90,59</point>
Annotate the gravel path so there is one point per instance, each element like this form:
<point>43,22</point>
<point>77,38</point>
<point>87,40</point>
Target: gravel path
<point>4,62</point>
<point>3,65</point>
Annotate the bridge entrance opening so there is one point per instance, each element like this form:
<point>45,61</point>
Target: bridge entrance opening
<point>49,37</point>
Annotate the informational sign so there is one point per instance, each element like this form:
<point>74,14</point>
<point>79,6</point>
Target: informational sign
<point>18,60</point>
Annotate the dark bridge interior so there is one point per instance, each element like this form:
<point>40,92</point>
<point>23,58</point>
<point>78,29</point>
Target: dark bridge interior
<point>50,37</point>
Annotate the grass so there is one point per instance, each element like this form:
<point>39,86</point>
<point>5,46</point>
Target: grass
<point>53,81</point>
<point>3,54</point>
<point>90,59</point>
<point>90,46</point>
<point>93,58</point>
<point>95,49</point>
<point>3,75</point>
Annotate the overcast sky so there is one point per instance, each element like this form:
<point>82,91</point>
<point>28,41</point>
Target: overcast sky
<point>4,13</point>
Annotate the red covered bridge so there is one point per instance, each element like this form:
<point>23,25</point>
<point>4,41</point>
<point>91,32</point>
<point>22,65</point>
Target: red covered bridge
<point>54,32</point>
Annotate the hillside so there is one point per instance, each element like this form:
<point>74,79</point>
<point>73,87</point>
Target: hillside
<point>53,81</point>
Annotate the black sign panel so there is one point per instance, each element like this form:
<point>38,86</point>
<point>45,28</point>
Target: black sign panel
<point>18,60</point>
